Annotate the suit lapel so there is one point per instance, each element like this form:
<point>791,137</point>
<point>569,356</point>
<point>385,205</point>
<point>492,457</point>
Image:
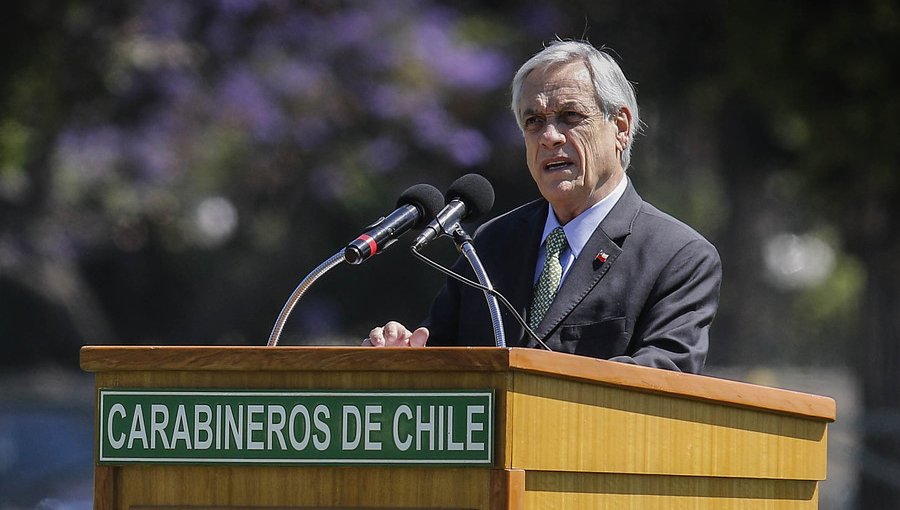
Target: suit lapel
<point>596,258</point>
<point>517,283</point>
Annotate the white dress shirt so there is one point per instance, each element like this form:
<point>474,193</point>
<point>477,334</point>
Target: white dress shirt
<point>578,231</point>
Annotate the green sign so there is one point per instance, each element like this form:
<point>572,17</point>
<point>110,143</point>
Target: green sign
<point>296,427</point>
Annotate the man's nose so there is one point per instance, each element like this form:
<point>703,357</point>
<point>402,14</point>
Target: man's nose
<point>551,137</point>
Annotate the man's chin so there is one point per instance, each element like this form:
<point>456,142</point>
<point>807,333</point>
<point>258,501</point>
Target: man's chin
<point>559,189</point>
<point>560,194</point>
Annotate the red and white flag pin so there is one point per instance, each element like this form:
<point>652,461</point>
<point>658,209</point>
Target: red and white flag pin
<point>602,256</point>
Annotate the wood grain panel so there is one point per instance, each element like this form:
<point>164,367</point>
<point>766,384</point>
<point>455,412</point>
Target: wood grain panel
<point>553,490</point>
<point>319,359</point>
<point>628,432</point>
<point>254,487</point>
<point>508,489</point>
<point>471,359</point>
<point>653,380</point>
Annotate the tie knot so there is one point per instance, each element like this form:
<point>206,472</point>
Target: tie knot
<point>556,241</point>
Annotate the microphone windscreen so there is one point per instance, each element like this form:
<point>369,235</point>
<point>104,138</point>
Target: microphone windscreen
<point>475,191</point>
<point>424,197</point>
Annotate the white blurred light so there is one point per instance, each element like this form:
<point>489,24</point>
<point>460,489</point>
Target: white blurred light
<point>798,261</point>
<point>215,220</point>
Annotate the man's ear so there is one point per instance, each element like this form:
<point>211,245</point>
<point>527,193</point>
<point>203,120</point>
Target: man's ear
<point>622,120</point>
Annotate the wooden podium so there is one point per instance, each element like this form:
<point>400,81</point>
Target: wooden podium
<point>562,432</point>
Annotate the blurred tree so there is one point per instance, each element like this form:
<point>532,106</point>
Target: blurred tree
<point>172,168</point>
<point>771,128</point>
<point>821,81</point>
<point>49,65</point>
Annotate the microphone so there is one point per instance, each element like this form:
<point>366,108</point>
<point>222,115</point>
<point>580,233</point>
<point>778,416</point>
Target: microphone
<point>468,197</point>
<point>414,207</point>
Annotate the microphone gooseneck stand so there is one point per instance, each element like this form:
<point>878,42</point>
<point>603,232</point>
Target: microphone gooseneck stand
<point>464,243</point>
<point>304,285</point>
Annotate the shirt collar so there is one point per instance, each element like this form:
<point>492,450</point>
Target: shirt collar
<point>580,228</point>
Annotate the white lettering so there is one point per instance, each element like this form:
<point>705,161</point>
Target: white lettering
<point>452,445</point>
<point>440,430</point>
<point>274,427</point>
<point>401,444</point>
<point>234,427</point>
<point>323,443</point>
<point>202,425</point>
<point>115,443</point>
<point>346,442</point>
<point>137,428</point>
<point>158,426</point>
<point>181,429</point>
<point>218,426</point>
<point>253,425</point>
<point>424,426</point>
<point>299,445</point>
<point>471,427</point>
<point>371,427</point>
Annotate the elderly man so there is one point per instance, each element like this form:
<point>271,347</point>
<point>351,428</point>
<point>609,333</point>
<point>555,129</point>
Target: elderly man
<point>595,270</point>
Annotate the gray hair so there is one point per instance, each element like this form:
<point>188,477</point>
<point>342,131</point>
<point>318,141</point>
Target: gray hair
<point>613,90</point>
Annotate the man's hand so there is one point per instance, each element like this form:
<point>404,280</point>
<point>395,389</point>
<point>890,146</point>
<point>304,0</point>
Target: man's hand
<point>394,334</point>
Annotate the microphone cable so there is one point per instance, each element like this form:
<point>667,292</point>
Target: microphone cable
<point>500,297</point>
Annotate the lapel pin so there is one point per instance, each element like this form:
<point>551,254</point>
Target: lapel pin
<point>602,256</point>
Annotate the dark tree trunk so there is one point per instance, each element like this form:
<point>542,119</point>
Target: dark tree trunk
<point>750,328</point>
<point>880,373</point>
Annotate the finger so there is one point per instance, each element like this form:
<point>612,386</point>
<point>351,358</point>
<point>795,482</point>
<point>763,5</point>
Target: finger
<point>396,335</point>
<point>419,337</point>
<point>376,337</point>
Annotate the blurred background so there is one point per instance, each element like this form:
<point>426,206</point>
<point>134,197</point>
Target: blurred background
<point>170,170</point>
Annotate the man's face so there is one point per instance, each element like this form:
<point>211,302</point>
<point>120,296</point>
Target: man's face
<point>572,149</point>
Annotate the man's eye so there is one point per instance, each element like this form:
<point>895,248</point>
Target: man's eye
<point>571,117</point>
<point>531,122</point>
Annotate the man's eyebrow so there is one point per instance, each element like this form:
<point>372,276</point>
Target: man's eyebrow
<point>567,105</point>
<point>572,105</point>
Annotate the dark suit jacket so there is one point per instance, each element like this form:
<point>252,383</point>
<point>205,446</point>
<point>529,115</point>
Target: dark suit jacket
<point>644,290</point>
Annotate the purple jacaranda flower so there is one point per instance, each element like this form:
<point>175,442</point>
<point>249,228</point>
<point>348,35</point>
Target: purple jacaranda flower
<point>177,85</point>
<point>354,28</point>
<point>301,30</point>
<point>88,155</point>
<point>239,8</point>
<point>458,64</point>
<point>296,78</point>
<point>468,147</point>
<point>476,69</point>
<point>504,132</point>
<point>310,131</point>
<point>153,148</point>
<point>165,18</point>
<point>242,98</point>
<point>432,125</point>
<point>384,100</point>
<point>222,36</point>
<point>383,154</point>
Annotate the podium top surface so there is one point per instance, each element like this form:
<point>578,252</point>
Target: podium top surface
<point>456,359</point>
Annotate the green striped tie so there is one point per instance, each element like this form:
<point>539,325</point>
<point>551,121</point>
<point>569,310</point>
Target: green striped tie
<point>548,282</point>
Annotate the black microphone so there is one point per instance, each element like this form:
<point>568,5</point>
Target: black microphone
<point>414,207</point>
<point>468,197</point>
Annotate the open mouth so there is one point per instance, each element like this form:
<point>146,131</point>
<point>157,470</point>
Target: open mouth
<point>557,165</point>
